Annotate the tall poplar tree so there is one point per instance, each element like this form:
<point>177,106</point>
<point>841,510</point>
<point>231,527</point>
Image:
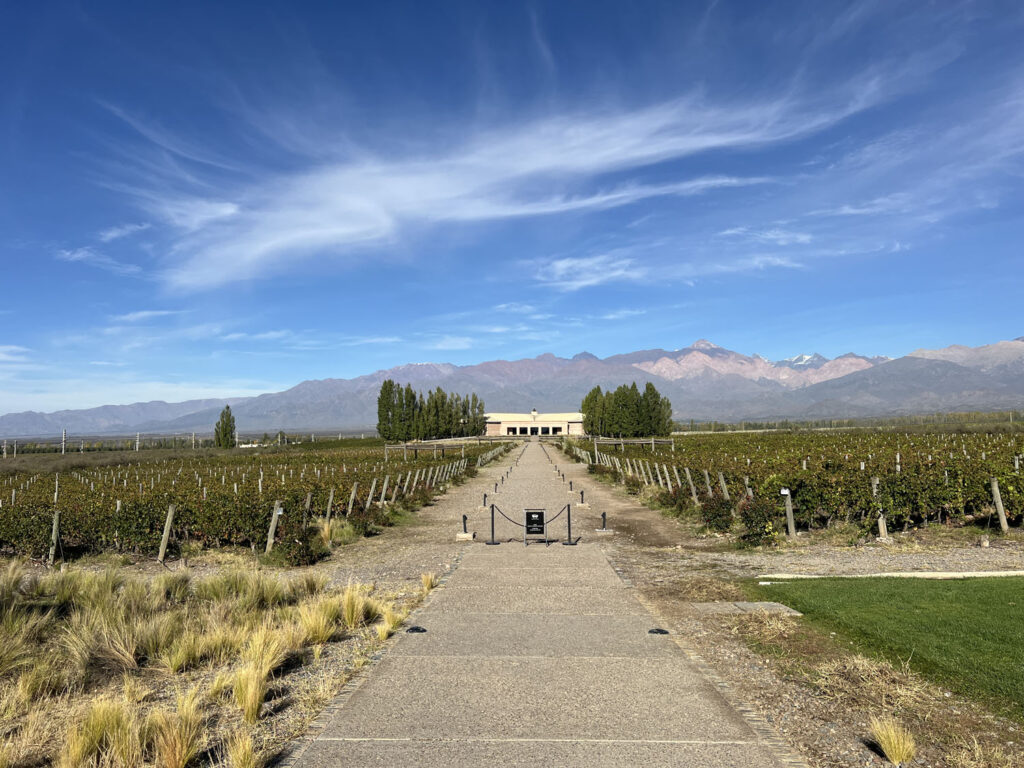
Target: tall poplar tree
<point>224,430</point>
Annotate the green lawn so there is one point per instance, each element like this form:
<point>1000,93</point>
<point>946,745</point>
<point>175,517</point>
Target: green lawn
<point>966,635</point>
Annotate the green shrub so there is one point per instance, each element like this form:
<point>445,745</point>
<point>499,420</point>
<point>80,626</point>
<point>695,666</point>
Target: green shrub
<point>716,513</point>
<point>761,520</point>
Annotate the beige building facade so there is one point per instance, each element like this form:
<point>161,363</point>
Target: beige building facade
<point>534,424</point>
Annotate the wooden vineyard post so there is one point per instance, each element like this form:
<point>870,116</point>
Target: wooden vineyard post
<point>168,524</point>
<point>707,483</point>
<point>693,489</point>
<point>351,499</point>
<point>384,490</point>
<point>369,496</point>
<point>54,536</point>
<point>883,531</point>
<point>997,499</point>
<point>723,486</point>
<point>790,522</point>
<point>273,527</point>
<point>305,509</point>
<point>330,505</point>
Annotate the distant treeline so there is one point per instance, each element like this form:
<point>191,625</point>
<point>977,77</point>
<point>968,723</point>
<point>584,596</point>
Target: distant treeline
<point>403,414</point>
<point>626,412</point>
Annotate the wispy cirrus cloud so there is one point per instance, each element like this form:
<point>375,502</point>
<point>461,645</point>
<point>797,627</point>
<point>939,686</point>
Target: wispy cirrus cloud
<point>575,272</point>
<point>227,219</point>
<point>10,353</point>
<point>622,314</point>
<point>94,258</point>
<point>449,342</point>
<point>124,230</point>
<point>144,315</point>
<point>773,236</point>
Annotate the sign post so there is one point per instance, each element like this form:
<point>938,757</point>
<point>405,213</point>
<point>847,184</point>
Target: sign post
<point>534,524</point>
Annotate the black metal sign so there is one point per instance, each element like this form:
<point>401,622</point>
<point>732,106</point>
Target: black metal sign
<point>535,522</point>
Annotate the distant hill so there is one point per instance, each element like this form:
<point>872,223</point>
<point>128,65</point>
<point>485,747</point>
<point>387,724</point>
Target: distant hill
<point>704,381</point>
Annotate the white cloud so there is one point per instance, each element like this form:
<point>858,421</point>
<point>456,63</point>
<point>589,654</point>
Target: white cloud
<point>116,233</point>
<point>574,273</point>
<point>13,354</point>
<point>262,336</point>
<point>236,221</point>
<point>355,341</point>
<point>94,258</point>
<point>144,315</point>
<point>107,363</point>
<point>770,236</point>
<point>515,307</point>
<point>451,343</point>
<point>622,314</point>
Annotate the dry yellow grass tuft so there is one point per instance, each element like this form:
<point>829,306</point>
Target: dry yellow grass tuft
<point>429,581</point>
<point>176,737</point>
<point>353,605</point>
<point>319,621</point>
<point>390,621</point>
<point>240,752</point>
<point>872,683</point>
<point>108,735</point>
<point>974,754</point>
<point>895,741</point>
<point>250,689</point>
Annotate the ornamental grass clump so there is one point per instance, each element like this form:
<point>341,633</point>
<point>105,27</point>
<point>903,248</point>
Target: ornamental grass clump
<point>429,581</point>
<point>176,736</point>
<point>895,741</point>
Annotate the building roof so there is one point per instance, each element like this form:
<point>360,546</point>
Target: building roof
<point>533,416</point>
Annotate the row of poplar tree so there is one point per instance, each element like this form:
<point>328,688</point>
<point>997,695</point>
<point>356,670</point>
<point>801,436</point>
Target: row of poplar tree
<point>403,414</point>
<point>626,412</point>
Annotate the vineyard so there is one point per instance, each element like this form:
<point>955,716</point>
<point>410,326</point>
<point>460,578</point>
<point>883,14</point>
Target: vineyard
<point>853,477</point>
<point>224,499</point>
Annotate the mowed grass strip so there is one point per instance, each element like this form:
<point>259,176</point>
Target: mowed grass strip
<point>966,634</point>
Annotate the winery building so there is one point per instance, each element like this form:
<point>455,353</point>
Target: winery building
<point>533,423</point>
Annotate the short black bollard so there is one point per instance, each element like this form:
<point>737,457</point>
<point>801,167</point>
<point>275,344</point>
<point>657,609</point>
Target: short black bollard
<point>568,527</point>
<point>502,479</point>
<point>495,487</point>
<point>570,486</point>
<point>464,521</point>
<point>581,496</point>
<point>492,542</point>
<point>604,521</point>
<point>485,501</point>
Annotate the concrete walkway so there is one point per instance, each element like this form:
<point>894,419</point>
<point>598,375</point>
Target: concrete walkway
<point>536,656</point>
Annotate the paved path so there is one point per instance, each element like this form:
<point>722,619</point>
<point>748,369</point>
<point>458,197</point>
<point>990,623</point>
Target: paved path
<point>536,656</point>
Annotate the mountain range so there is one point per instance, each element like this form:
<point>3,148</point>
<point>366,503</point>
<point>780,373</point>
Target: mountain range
<point>704,381</point>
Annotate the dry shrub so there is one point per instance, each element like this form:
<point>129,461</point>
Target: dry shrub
<point>895,741</point>
<point>768,627</point>
<point>177,736</point>
<point>974,754</point>
<point>874,684</point>
<point>706,589</point>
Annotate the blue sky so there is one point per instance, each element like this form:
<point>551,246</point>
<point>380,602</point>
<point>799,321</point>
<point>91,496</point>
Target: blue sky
<point>203,199</point>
